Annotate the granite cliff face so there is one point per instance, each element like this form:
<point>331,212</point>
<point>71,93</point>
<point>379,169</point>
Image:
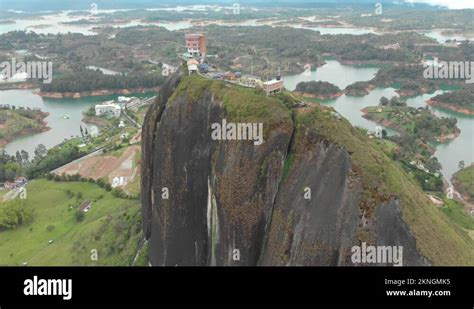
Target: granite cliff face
<point>232,203</point>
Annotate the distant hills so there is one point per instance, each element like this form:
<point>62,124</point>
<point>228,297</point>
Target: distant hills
<point>56,5</point>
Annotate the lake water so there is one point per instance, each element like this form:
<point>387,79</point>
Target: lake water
<point>337,30</point>
<point>333,72</point>
<point>61,128</point>
<point>341,75</point>
<point>448,154</point>
<point>442,38</point>
<point>52,24</point>
<point>48,24</point>
<point>459,149</point>
<point>65,117</point>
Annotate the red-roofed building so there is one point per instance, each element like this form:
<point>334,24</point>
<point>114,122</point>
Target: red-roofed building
<point>196,44</point>
<point>85,206</point>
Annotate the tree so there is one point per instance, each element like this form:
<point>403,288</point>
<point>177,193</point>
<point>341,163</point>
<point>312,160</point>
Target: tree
<point>25,157</point>
<point>383,101</point>
<point>79,215</point>
<point>433,165</point>
<point>14,213</point>
<point>461,165</point>
<point>82,131</point>
<point>40,151</point>
<point>384,133</point>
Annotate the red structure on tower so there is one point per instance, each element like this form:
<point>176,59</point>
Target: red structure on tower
<point>196,43</point>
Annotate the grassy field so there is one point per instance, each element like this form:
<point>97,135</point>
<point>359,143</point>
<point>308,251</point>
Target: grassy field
<point>112,227</point>
<point>388,147</point>
<point>455,211</point>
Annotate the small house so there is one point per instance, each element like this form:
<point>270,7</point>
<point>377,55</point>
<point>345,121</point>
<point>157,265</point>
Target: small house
<point>108,109</point>
<point>192,66</point>
<point>21,180</point>
<point>85,206</point>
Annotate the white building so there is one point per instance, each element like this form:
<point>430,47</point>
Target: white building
<point>118,182</point>
<point>378,132</point>
<point>273,86</point>
<point>192,66</point>
<point>108,110</point>
<point>123,99</point>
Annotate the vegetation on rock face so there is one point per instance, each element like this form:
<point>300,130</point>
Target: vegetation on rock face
<point>463,181</point>
<point>438,238</point>
<point>456,212</point>
<point>240,103</point>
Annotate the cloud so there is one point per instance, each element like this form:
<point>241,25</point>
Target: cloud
<point>452,4</point>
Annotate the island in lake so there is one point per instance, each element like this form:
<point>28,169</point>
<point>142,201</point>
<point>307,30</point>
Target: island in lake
<point>359,89</point>
<point>15,122</point>
<point>318,90</point>
<point>419,122</point>
<point>460,101</point>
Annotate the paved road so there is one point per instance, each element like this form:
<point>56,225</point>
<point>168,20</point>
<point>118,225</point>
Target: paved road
<point>136,124</point>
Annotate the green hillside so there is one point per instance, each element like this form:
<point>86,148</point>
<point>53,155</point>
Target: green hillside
<point>112,227</point>
<point>440,237</point>
<point>464,182</point>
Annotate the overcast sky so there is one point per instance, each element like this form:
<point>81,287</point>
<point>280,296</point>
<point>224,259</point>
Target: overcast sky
<point>452,4</point>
